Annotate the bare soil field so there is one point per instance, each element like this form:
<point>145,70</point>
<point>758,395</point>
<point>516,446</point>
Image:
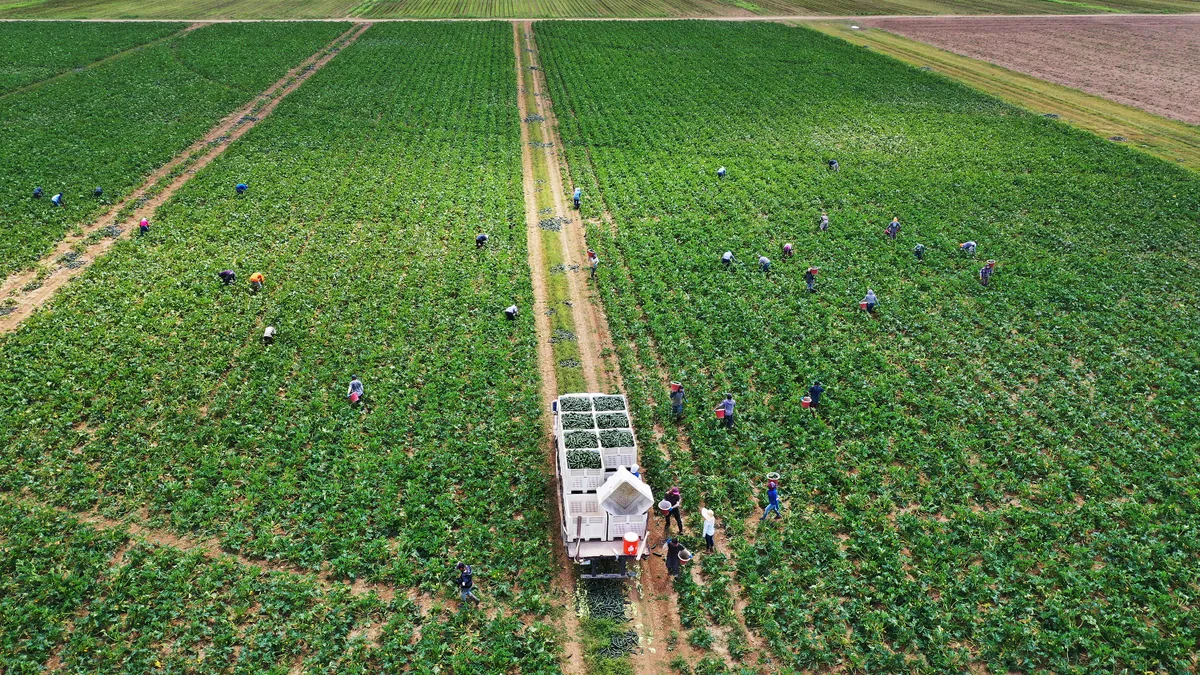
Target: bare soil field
<point>1149,63</point>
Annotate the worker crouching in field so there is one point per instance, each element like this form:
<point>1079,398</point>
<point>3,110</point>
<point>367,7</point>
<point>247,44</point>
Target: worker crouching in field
<point>727,259</point>
<point>256,282</point>
<point>787,251</point>
<point>356,392</point>
<point>227,276</point>
<point>241,188</point>
<point>764,263</point>
<point>481,240</point>
<point>824,221</point>
<point>511,313</point>
<point>269,336</point>
<point>466,583</point>
<point>919,251</point>
<point>721,172</point>
<point>578,195</point>
<point>967,247</point>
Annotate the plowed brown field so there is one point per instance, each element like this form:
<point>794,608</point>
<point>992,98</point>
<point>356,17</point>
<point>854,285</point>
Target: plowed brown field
<point>1150,63</point>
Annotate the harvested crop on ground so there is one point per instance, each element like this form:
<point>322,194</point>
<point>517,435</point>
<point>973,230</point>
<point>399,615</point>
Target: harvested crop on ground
<point>112,125</point>
<point>998,477</point>
<point>1147,63</point>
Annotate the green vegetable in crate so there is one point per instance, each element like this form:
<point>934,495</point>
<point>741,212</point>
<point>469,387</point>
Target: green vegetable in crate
<point>613,421</point>
<point>583,459</point>
<point>609,403</point>
<point>613,438</point>
<point>575,404</point>
<point>577,421</point>
<point>580,439</point>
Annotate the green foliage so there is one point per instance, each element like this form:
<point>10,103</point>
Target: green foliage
<point>1001,475</point>
<point>35,51</point>
<point>111,125</point>
<point>700,638</point>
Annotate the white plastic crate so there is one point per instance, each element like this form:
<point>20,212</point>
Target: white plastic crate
<point>584,509</point>
<point>613,458</point>
<point>619,525</point>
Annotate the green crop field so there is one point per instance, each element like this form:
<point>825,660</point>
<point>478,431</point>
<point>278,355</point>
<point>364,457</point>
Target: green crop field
<point>1000,477</point>
<point>546,9</point>
<point>37,52</point>
<point>112,125</point>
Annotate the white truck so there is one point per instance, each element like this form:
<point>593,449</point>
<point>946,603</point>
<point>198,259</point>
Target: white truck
<point>605,508</point>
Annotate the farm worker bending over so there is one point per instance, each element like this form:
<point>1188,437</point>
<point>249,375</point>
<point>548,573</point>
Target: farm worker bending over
<point>787,251</point>
<point>710,529</point>
<point>241,188</point>
<point>356,391</point>
<point>269,336</point>
<point>772,501</point>
<point>578,195</point>
<point>56,199</point>
<point>727,405</point>
<point>985,272</point>
<point>677,397</point>
<point>814,392</point>
<point>143,227</point>
<point>893,228</point>
<point>256,282</point>
<point>227,276</point>
<point>834,166</point>
<point>37,193</point>
<point>919,251</point>
<point>967,247</point>
<point>674,550</point>
<point>466,583</point>
<point>869,301</point>
<point>97,192</point>
<point>511,312</point>
<point>674,500</point>
<point>824,221</point>
<point>764,263</point>
<point>721,172</point>
<point>810,278</point>
<point>481,240</point>
<point>727,258</point>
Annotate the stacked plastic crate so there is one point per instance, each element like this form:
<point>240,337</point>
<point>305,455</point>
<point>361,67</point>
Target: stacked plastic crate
<point>594,440</point>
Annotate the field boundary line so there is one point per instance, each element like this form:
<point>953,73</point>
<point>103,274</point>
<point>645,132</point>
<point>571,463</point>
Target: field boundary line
<point>572,658</point>
<point>1171,140</point>
<point>91,65</point>
<point>690,17</point>
<point>31,289</point>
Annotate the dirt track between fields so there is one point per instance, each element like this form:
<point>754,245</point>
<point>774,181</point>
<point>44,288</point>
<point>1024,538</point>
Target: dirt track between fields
<point>152,194</point>
<point>1148,63</point>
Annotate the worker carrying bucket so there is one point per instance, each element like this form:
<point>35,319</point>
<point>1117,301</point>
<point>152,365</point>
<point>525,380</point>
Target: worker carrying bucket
<point>985,272</point>
<point>677,397</point>
<point>355,393</point>
<point>869,302</point>
<point>810,278</point>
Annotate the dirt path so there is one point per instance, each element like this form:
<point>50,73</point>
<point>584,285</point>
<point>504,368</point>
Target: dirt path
<point>33,288</point>
<point>572,659</point>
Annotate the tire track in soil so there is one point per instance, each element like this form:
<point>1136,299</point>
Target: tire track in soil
<point>572,658</point>
<point>655,615</point>
<point>153,192</point>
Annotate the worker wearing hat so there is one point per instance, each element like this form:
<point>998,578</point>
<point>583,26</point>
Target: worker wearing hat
<point>710,529</point>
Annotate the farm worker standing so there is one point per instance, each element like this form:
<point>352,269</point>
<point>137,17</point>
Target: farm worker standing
<point>870,301</point>
<point>269,336</point>
<point>985,272</point>
<point>227,276</point>
<point>919,251</point>
<point>481,240</point>
<point>710,529</point>
<point>810,278</point>
<point>677,399</point>
<point>466,583</point>
<point>356,391</point>
<point>787,251</point>
<point>511,312</point>
<point>764,263</point>
<point>772,501</point>
<point>578,195</point>
<point>97,192</point>
<point>256,282</point>
<point>824,221</point>
<point>636,471</point>
<point>834,166</point>
<point>721,172</point>
<point>727,258</point>
<point>143,227</point>
<point>56,199</point>
<point>595,264</point>
<point>967,247</point>
<point>893,228</point>
<point>674,550</point>
<point>674,500</point>
<point>727,405</point>
<point>241,188</point>
<point>37,193</point>
<point>814,392</point>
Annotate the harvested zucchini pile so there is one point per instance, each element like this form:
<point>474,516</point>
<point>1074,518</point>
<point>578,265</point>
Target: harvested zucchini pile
<point>583,459</point>
<point>612,421</point>
<point>612,438</point>
<point>580,439</point>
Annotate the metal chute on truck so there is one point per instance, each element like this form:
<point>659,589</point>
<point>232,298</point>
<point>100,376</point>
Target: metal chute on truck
<point>605,508</point>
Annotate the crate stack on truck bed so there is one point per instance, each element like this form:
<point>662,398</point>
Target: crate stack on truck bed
<point>595,439</point>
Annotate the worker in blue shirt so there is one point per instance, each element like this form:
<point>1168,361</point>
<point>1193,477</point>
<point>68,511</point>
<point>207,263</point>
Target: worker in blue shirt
<point>721,172</point>
<point>241,188</point>
<point>772,501</point>
<point>919,251</point>
<point>466,583</point>
<point>578,195</point>
<point>56,199</point>
<point>814,392</point>
<point>481,240</point>
<point>97,192</point>
<point>985,273</point>
<point>37,193</point>
<point>893,228</point>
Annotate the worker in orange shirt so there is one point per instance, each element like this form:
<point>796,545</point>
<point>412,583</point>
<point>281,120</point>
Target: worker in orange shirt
<point>256,282</point>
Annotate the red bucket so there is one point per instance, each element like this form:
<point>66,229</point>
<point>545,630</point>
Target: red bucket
<point>354,397</point>
<point>631,543</point>
<point>720,413</point>
<point>863,305</point>
<point>675,386</point>
<point>806,402</point>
